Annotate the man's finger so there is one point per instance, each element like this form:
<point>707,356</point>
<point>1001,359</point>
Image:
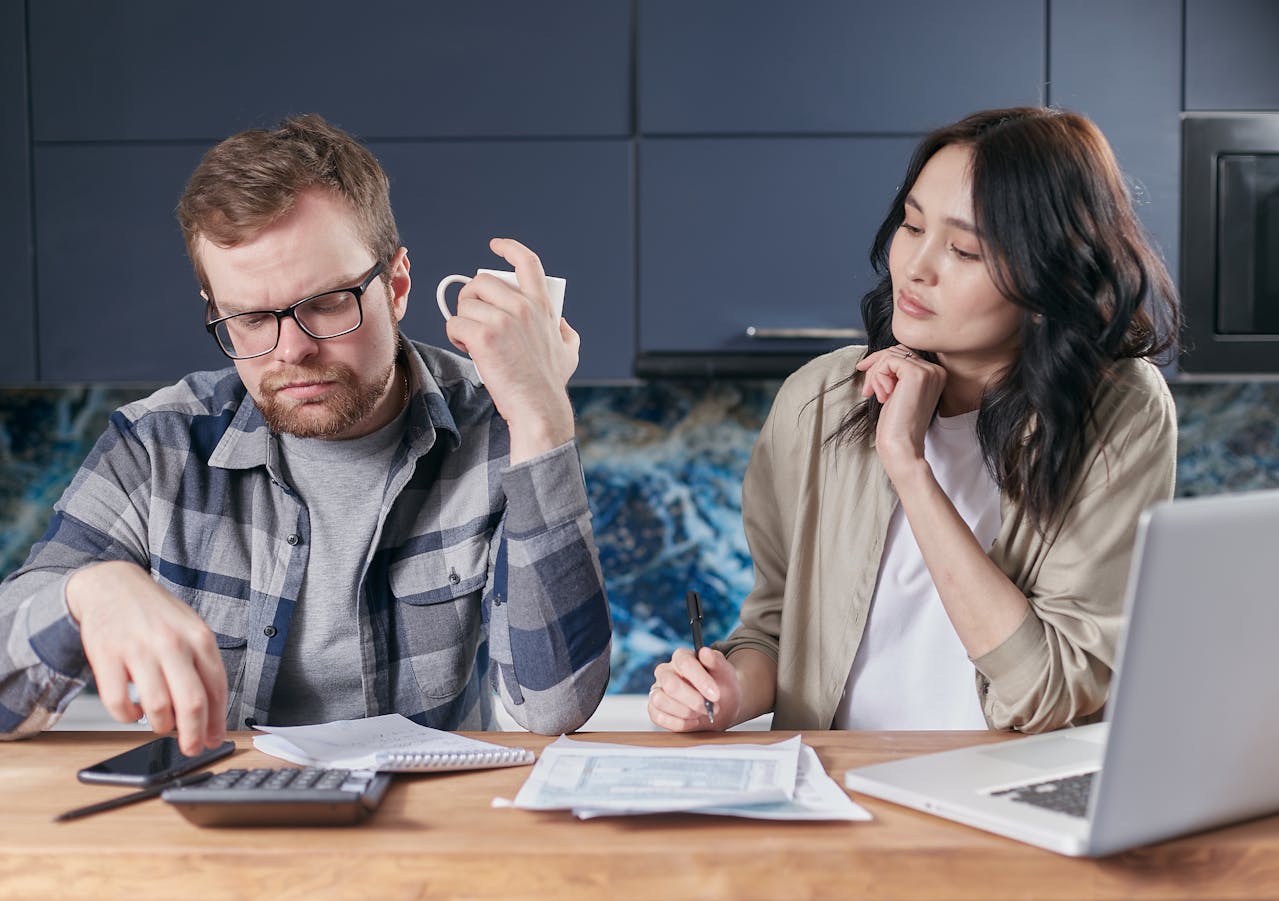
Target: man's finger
<point>113,690</point>
<point>528,267</point>
<point>153,693</point>
<point>212,675</point>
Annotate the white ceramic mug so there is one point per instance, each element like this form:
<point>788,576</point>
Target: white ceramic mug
<point>554,289</point>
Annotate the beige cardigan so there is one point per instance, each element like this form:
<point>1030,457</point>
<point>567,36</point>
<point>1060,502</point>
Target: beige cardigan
<point>816,517</point>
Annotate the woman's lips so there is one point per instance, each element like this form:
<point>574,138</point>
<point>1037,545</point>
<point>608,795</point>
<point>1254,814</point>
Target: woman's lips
<point>911,306</point>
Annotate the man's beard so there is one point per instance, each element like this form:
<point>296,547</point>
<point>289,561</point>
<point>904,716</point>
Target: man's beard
<point>348,404</point>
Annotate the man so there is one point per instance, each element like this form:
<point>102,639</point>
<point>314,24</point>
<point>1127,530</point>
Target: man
<point>346,523</point>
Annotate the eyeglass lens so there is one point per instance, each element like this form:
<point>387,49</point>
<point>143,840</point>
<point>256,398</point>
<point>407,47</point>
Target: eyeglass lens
<point>256,333</point>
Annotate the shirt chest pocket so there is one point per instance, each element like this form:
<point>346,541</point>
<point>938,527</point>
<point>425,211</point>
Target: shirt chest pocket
<point>438,614</point>
<point>228,618</point>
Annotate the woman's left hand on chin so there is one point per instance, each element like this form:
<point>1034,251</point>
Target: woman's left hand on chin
<point>909,388</point>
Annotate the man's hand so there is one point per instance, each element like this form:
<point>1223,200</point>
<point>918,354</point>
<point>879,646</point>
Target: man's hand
<point>135,631</point>
<point>525,353</point>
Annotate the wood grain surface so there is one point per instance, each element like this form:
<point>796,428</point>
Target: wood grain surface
<point>438,835</point>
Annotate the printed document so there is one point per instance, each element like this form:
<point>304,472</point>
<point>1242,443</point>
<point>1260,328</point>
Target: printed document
<point>781,781</point>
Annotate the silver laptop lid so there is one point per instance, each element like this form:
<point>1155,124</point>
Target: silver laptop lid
<point>1194,710</point>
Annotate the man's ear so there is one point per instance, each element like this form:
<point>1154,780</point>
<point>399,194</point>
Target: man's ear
<point>400,283</point>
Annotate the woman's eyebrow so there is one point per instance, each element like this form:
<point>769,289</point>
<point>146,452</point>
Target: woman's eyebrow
<point>953,221</point>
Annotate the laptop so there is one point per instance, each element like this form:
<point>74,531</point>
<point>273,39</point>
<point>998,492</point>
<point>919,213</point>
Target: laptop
<point>1192,724</point>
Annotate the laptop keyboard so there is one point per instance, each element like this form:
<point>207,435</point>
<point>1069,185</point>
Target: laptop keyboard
<point>1068,795</point>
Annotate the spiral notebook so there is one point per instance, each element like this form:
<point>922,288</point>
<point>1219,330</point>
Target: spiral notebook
<point>389,743</point>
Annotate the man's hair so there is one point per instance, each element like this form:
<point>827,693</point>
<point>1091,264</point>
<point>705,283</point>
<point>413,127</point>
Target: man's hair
<point>252,179</point>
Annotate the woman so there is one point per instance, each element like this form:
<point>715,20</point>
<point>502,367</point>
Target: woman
<point>941,522</point>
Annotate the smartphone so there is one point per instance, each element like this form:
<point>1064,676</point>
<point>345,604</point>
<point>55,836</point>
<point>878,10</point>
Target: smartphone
<point>156,761</point>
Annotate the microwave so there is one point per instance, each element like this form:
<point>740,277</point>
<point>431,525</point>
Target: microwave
<point>1230,242</point>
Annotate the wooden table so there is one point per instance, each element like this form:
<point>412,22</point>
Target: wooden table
<point>437,836</point>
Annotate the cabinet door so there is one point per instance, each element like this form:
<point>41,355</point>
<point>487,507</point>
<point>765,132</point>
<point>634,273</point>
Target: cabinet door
<point>118,300</point>
<point>770,233</point>
<point>1125,77</point>
<point>127,96</point>
<point>568,200</point>
<point>1232,54</point>
<point>814,66</point>
<point>17,336</point>
<point>159,69</point>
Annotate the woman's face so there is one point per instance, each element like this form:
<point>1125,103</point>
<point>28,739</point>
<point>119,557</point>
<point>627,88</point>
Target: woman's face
<point>944,299</point>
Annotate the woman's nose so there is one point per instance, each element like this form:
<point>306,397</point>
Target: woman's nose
<point>921,265</point>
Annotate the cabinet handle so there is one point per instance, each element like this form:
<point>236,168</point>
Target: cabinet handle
<point>821,334</point>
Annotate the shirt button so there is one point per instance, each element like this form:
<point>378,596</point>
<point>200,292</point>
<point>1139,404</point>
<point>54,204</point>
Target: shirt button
<point>294,539</point>
<point>454,577</point>
<point>269,631</point>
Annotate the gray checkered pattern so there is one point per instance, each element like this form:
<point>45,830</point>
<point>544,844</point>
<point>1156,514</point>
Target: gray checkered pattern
<point>477,561</point>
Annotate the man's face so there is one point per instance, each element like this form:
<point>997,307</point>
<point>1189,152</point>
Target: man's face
<point>340,387</point>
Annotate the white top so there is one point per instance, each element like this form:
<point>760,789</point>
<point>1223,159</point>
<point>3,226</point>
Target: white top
<point>911,670</point>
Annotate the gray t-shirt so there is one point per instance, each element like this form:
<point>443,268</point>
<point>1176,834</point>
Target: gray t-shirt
<point>342,484</point>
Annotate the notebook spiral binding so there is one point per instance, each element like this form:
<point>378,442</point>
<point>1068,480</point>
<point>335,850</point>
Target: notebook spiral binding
<point>453,760</point>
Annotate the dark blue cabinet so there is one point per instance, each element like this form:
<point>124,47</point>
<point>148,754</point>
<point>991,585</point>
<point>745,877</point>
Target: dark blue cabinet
<point>17,336</point>
<point>769,233</point>
<point>695,169</point>
<point>494,118</point>
<point>774,136</point>
<point>814,66</point>
<point>118,300</point>
<point>568,200</point>
<point>161,70</point>
<point>1125,76</point>
<point>1232,55</point>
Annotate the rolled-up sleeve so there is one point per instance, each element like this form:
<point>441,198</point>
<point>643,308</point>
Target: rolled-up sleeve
<point>550,628</point>
<point>1056,667</point>
<point>99,517</point>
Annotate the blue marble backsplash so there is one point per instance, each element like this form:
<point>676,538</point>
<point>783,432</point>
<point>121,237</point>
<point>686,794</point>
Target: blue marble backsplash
<point>664,463</point>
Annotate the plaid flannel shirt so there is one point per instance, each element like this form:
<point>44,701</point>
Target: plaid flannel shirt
<point>477,569</point>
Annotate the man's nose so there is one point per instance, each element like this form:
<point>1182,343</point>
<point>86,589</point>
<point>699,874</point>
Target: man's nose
<point>294,343</point>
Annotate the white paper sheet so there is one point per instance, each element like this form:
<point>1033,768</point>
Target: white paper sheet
<point>781,781</point>
<point>390,742</point>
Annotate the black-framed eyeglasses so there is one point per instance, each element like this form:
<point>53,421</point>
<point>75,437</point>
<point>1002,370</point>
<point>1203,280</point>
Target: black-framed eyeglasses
<point>256,333</point>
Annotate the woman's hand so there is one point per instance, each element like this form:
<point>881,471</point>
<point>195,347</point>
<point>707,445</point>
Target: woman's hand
<point>681,687</point>
<point>909,388</point>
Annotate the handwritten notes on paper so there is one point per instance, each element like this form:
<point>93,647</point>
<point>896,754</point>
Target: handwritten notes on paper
<point>781,781</point>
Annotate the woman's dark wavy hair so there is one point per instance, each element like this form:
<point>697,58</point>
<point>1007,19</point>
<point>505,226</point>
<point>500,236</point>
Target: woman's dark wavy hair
<point>1061,240</point>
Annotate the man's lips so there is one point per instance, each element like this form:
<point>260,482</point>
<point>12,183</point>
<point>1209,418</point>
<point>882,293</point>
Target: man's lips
<point>910,305</point>
<point>303,390</point>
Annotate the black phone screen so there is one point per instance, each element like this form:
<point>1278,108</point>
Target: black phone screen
<point>155,761</point>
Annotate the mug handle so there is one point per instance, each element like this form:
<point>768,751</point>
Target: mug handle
<point>440,299</point>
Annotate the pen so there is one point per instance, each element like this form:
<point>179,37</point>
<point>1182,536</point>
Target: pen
<point>695,620</point>
<point>122,800</point>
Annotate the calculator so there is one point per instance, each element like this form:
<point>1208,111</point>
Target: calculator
<point>287,796</point>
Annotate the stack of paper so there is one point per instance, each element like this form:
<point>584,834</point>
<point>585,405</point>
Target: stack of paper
<point>781,781</point>
<point>390,743</point>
